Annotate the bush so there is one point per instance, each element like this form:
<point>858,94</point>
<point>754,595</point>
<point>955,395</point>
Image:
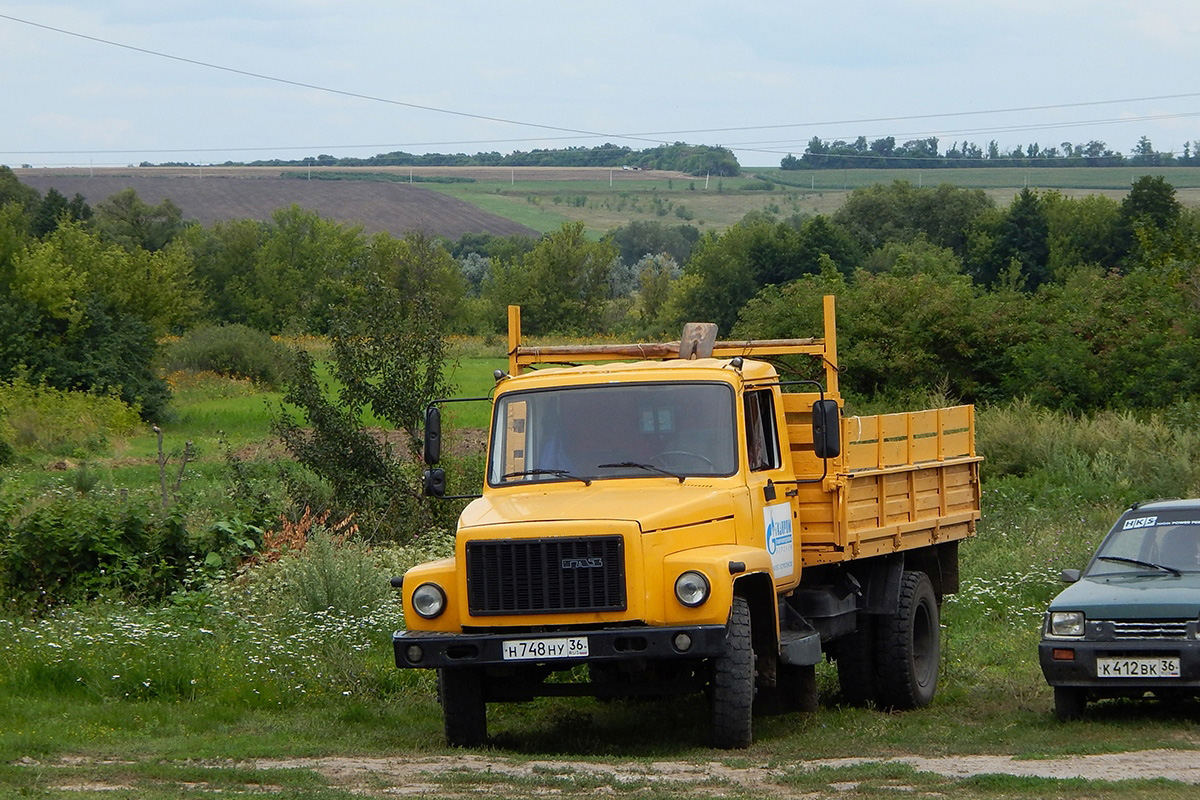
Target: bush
<point>313,566</point>
<point>40,419</point>
<point>237,351</point>
<point>95,349</point>
<point>73,549</point>
<point>1106,457</point>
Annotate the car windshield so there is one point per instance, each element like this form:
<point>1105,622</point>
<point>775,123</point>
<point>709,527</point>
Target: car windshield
<point>1161,543</point>
<point>591,433</point>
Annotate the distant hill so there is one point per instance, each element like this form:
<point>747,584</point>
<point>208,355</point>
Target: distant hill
<point>214,196</point>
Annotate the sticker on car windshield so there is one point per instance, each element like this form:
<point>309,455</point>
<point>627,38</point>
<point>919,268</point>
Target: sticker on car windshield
<point>1140,522</point>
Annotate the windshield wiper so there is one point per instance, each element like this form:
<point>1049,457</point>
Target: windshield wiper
<point>647,467</point>
<point>1147,564</point>
<point>558,473</point>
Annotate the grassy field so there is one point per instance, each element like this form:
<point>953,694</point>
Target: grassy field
<point>717,203</point>
<point>232,689</point>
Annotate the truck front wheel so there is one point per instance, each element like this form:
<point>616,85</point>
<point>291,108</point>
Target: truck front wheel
<point>908,646</point>
<point>731,698</point>
<point>464,713</point>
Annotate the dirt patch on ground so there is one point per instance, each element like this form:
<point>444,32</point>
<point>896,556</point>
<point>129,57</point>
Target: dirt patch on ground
<point>417,776</point>
<point>473,774</point>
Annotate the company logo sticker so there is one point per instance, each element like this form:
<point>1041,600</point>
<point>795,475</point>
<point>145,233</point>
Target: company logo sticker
<point>777,520</point>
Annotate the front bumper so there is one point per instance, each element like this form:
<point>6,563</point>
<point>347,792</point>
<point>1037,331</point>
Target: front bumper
<point>1080,668</point>
<point>426,650</point>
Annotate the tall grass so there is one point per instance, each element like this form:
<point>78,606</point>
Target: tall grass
<point>46,421</point>
<point>264,637</point>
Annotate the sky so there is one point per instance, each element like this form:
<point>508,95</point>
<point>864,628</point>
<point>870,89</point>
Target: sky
<point>119,82</point>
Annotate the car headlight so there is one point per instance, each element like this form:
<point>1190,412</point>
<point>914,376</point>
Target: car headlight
<point>691,588</point>
<point>1066,623</point>
<point>429,600</point>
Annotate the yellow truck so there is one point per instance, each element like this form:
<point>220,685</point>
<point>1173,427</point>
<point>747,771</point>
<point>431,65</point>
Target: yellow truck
<point>678,518</point>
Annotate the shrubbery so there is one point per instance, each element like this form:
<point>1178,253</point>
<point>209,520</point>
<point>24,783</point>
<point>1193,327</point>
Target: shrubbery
<point>70,548</point>
<point>234,350</point>
<point>46,420</point>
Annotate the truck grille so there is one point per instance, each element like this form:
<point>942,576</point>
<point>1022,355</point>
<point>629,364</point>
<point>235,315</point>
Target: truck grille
<point>546,576</point>
<point>1149,629</point>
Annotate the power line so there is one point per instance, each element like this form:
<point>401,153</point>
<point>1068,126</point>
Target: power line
<point>313,86</point>
<point>649,136</point>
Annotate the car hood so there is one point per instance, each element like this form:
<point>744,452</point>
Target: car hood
<point>1133,597</point>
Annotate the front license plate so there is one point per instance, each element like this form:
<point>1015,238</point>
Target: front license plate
<point>543,649</point>
<point>1137,667</point>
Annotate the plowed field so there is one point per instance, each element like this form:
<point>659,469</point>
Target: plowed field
<point>212,195</point>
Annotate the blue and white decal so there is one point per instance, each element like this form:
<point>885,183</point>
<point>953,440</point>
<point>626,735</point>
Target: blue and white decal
<point>777,520</point>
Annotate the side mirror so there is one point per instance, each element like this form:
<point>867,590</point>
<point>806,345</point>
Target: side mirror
<point>435,482</point>
<point>826,431</point>
<point>433,435</point>
<point>1070,576</point>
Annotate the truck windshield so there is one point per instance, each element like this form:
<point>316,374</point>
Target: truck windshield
<point>1164,542</point>
<point>613,431</point>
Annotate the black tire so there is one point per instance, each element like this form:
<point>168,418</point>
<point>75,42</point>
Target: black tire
<point>464,713</point>
<point>731,693</point>
<point>856,663</point>
<point>908,647</point>
<point>1069,702</point>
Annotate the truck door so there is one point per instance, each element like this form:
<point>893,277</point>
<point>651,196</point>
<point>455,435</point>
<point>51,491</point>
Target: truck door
<point>772,504</point>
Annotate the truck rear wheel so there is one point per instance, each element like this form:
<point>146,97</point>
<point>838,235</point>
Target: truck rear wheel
<point>908,647</point>
<point>731,699</point>
<point>464,713</point>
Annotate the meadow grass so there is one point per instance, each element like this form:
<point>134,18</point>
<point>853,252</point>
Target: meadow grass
<point>545,205</point>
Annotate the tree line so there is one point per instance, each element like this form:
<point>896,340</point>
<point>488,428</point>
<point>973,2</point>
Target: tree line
<point>885,153</point>
<point>1076,303</point>
<point>678,157</point>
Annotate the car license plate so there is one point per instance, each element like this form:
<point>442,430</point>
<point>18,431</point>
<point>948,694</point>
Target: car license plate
<point>1137,667</point>
<point>543,649</point>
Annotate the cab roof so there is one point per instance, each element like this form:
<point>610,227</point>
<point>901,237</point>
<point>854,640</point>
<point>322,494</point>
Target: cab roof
<point>710,369</point>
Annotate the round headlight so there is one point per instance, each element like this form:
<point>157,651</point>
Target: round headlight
<point>429,600</point>
<point>691,588</point>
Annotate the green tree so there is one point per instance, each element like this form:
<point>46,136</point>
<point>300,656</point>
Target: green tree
<point>561,285</point>
<point>389,359</point>
<point>1106,340</point>
<point>641,238</point>
<point>132,223</point>
<point>900,211</point>
<point>1082,230</point>
<point>1024,239</point>
<point>70,264</point>
<point>301,266</point>
<point>13,191</point>
<point>56,208</point>
<point>726,270</point>
<point>1149,210</point>
<point>225,257</point>
<point>899,334</point>
<point>96,350</point>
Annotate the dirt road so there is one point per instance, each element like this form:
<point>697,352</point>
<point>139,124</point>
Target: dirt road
<point>417,776</point>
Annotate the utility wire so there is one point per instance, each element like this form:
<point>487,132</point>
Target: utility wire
<point>649,136</point>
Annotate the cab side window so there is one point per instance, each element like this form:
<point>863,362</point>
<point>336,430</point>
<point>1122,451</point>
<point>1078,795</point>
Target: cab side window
<point>762,437</point>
